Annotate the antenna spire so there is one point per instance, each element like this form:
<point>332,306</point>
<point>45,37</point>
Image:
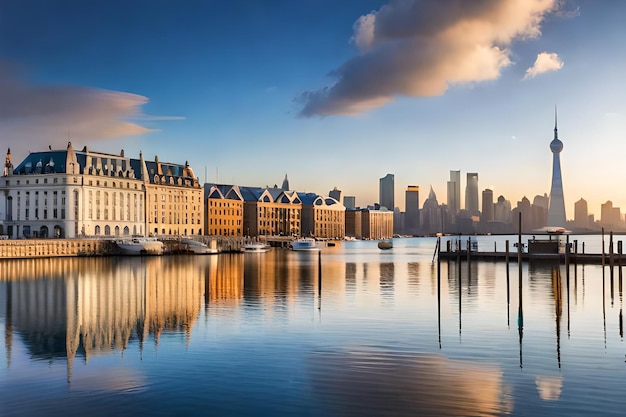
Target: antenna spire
<point>556,131</point>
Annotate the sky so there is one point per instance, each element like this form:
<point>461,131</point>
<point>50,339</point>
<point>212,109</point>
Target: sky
<point>331,93</point>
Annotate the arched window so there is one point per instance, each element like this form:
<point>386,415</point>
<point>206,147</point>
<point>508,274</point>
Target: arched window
<point>126,231</point>
<point>107,230</point>
<point>58,232</point>
<point>117,230</point>
<point>43,232</point>
<point>97,230</point>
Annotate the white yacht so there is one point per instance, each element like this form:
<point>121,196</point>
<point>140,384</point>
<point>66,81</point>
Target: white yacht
<point>305,244</point>
<point>140,246</point>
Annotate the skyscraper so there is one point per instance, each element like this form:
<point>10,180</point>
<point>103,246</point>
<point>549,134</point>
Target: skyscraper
<point>581,214</point>
<point>556,209</point>
<point>488,206</point>
<point>454,193</point>
<point>349,202</point>
<point>471,193</point>
<point>386,192</point>
<point>336,194</point>
<point>412,210</point>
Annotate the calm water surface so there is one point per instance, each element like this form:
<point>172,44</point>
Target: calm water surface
<point>386,333</point>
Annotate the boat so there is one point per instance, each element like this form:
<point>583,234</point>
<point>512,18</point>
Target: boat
<point>198,248</point>
<point>256,247</point>
<point>305,244</point>
<point>140,246</point>
<point>385,244</point>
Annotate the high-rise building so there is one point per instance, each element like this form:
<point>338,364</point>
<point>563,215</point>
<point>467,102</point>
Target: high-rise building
<point>285,185</point>
<point>556,209</point>
<point>471,193</point>
<point>610,217</point>
<point>412,210</point>
<point>488,207</point>
<point>454,193</point>
<point>336,194</point>
<point>386,192</point>
<point>581,214</point>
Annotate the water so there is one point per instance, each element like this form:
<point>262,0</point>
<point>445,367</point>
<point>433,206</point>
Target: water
<point>255,335</point>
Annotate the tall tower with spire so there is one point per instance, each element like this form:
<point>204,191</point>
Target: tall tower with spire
<point>556,207</point>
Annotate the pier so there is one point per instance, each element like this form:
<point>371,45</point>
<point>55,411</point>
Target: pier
<point>535,250</point>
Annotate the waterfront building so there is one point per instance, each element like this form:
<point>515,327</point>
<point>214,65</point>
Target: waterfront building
<point>174,198</point>
<point>386,192</point>
<point>471,193</point>
<point>556,209</point>
<point>353,223</point>
<point>223,210</point>
<point>454,194</point>
<point>349,202</point>
<point>322,217</point>
<point>377,224</point>
<point>581,215</point>
<point>524,208</point>
<point>412,210</point>
<point>271,211</point>
<point>69,193</point>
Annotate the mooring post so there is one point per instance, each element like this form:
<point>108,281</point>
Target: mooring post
<point>603,247</point>
<point>319,274</point>
<point>611,249</point>
<point>506,251</point>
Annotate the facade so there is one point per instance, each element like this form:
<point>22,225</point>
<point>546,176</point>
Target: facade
<point>353,223</point>
<point>69,193</point>
<point>271,211</point>
<point>322,217</point>
<point>471,193</point>
<point>386,192</point>
<point>174,198</point>
<point>412,210</point>
<point>377,224</point>
<point>556,209</point>
<point>223,210</point>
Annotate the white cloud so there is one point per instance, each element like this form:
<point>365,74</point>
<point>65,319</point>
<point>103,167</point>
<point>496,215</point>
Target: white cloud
<point>545,62</point>
<point>35,116</point>
<point>420,48</point>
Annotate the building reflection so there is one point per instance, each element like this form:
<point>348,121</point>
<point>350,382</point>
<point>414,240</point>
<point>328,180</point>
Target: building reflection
<point>397,384</point>
<point>77,307</point>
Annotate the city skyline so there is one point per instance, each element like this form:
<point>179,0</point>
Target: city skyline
<point>242,91</point>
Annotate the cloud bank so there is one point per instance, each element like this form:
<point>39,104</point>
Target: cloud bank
<point>33,116</point>
<point>420,48</point>
<point>545,62</point>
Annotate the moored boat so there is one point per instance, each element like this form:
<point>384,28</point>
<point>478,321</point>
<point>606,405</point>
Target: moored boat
<point>305,244</point>
<point>256,247</point>
<point>140,246</point>
<point>198,248</point>
<point>385,244</point>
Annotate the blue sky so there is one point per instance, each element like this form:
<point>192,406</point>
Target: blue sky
<point>331,93</point>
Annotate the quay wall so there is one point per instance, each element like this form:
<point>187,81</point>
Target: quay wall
<point>53,248</point>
